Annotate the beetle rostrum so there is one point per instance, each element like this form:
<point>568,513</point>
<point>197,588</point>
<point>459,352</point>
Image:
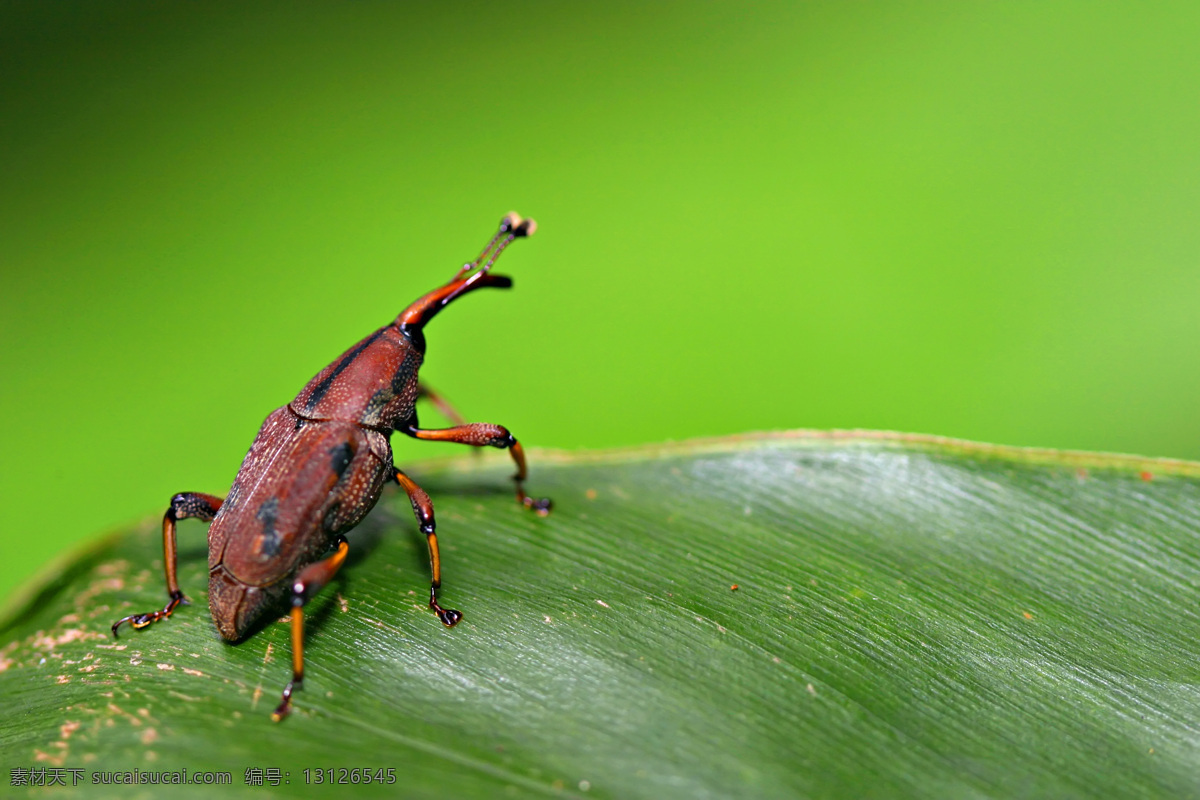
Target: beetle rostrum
<point>319,464</point>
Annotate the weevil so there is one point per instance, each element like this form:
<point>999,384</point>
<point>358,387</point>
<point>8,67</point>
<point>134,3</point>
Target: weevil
<point>317,467</point>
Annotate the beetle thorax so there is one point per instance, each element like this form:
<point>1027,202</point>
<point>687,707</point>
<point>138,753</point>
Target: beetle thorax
<point>374,383</point>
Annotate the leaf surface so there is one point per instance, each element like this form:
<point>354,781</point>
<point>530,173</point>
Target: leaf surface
<point>803,614</point>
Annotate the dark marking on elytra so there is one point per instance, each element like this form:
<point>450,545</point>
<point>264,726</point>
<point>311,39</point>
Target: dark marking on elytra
<point>341,456</point>
<point>268,541</point>
<point>321,388</point>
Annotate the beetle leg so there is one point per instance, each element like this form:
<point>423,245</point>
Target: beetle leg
<point>443,405</point>
<point>310,581</point>
<point>423,508</point>
<point>482,434</point>
<point>186,504</point>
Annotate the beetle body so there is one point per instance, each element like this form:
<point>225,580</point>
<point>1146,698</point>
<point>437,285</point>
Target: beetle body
<point>332,444</point>
<point>317,467</point>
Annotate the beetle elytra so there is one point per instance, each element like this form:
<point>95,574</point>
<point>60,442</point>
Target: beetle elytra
<point>319,464</point>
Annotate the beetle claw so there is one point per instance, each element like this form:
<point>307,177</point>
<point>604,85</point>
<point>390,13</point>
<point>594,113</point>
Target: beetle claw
<point>139,621</point>
<point>285,705</point>
<point>449,616</point>
<point>134,620</point>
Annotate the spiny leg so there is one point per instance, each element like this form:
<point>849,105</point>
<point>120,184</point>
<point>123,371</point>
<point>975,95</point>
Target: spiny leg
<point>423,508</point>
<point>482,434</point>
<point>310,581</point>
<point>184,505</point>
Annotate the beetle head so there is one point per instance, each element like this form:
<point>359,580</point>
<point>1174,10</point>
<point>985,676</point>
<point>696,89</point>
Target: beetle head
<point>473,275</point>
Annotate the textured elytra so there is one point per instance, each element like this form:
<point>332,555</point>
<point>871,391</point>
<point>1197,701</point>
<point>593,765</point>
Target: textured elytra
<point>298,487</point>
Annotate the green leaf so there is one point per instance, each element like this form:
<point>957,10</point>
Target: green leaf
<point>821,615</point>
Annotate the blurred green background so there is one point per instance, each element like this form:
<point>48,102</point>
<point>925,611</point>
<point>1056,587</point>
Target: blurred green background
<point>976,220</point>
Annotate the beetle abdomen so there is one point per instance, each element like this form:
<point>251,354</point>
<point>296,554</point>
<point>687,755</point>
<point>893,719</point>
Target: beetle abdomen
<point>241,605</point>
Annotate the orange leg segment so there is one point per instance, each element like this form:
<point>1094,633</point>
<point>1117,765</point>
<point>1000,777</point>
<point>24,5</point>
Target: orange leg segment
<point>423,508</point>
<point>310,581</point>
<point>186,504</point>
<point>481,434</point>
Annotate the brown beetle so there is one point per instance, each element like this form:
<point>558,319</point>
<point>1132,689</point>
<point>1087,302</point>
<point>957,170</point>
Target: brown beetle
<point>318,465</point>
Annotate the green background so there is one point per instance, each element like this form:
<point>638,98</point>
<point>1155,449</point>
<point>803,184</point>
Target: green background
<point>976,220</point>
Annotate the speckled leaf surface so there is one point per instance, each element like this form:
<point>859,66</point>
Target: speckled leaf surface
<point>912,618</point>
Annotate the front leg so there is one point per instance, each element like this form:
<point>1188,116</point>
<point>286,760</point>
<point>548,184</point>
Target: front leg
<point>482,434</point>
<point>186,504</point>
